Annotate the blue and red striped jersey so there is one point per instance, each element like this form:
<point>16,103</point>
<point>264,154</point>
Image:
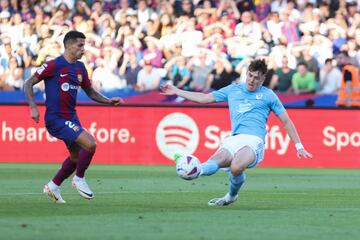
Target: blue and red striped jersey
<point>62,81</point>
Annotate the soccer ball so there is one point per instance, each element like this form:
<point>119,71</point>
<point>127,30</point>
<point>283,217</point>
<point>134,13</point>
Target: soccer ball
<point>188,167</point>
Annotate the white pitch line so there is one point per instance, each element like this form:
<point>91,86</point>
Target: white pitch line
<point>97,193</point>
<point>152,192</point>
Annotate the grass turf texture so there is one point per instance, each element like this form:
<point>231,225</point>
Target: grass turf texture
<point>151,202</point>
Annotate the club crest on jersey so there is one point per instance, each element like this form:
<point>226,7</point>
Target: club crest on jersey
<point>79,77</point>
<point>65,86</point>
<point>72,126</point>
<point>259,96</point>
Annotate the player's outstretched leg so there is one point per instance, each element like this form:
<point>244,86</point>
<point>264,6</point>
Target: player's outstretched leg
<point>235,184</point>
<point>209,167</point>
<point>78,181</point>
<point>221,159</point>
<point>53,191</point>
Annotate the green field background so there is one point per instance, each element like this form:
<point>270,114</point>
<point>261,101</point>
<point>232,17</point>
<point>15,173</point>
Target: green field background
<point>151,202</point>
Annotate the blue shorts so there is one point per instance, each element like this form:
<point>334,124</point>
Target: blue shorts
<point>66,130</point>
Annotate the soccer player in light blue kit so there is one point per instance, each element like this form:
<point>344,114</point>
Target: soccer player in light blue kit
<point>250,105</point>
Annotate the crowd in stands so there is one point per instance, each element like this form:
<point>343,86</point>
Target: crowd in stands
<point>198,45</point>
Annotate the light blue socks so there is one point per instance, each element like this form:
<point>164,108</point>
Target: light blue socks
<point>236,183</point>
<point>210,167</point>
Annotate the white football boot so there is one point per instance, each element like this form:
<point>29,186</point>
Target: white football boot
<point>82,187</point>
<point>225,200</point>
<point>53,191</point>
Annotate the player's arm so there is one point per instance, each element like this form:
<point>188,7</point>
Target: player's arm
<point>192,96</point>
<point>29,93</point>
<point>294,136</point>
<point>98,97</point>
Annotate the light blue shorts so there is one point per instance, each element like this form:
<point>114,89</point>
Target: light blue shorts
<point>234,143</point>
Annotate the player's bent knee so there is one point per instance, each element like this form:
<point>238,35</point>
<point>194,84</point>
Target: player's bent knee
<point>90,143</point>
<point>92,146</point>
<point>237,170</point>
<point>223,157</point>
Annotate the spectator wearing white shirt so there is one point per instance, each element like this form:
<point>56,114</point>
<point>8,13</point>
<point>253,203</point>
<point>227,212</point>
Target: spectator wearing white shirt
<point>69,3</point>
<point>29,39</point>
<point>248,38</point>
<point>248,28</point>
<point>278,5</point>
<point>189,37</point>
<point>148,78</point>
<point>5,52</point>
<point>104,79</point>
<point>12,77</point>
<point>295,14</point>
<point>330,78</point>
<point>144,13</point>
<point>274,26</point>
<point>124,10</point>
<point>5,23</point>
<point>16,30</point>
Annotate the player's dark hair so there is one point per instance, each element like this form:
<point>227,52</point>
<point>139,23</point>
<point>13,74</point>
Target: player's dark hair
<point>72,36</point>
<point>258,65</point>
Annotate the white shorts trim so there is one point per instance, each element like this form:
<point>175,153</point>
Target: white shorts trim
<point>234,143</point>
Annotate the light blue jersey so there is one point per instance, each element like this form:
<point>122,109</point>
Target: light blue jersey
<point>249,111</point>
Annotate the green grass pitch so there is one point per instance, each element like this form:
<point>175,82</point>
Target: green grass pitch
<point>151,202</point>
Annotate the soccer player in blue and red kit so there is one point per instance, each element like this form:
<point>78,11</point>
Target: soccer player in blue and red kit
<point>63,77</point>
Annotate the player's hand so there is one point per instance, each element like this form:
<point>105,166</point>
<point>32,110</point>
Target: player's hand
<point>303,153</point>
<point>116,101</point>
<point>35,114</point>
<point>168,89</point>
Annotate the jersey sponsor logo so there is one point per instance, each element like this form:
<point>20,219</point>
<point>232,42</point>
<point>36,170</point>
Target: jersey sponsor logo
<point>245,106</point>
<point>63,75</point>
<point>41,68</point>
<point>72,125</point>
<point>177,133</point>
<point>66,87</point>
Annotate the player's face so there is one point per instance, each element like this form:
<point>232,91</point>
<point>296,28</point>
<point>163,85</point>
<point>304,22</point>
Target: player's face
<point>77,48</point>
<point>254,80</point>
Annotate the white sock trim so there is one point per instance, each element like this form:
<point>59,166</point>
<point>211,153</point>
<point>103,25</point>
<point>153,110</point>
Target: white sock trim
<point>52,185</point>
<point>77,178</point>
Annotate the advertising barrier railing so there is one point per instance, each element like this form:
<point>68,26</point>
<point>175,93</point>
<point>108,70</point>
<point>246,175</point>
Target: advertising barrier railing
<point>152,135</point>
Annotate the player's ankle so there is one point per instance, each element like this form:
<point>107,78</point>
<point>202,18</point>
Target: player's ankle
<point>52,185</point>
<point>230,196</point>
<point>76,177</point>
